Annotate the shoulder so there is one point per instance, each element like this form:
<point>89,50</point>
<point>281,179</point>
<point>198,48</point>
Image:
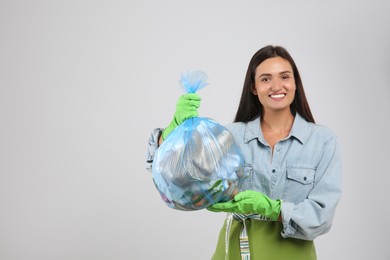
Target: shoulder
<point>308,132</point>
<point>237,130</point>
<point>252,127</point>
<point>236,127</point>
<point>322,132</point>
<point>321,137</point>
<point>245,131</point>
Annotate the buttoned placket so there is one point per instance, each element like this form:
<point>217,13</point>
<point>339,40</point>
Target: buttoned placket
<point>277,156</point>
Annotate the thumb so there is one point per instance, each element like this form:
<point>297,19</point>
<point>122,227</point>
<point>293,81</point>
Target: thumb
<point>244,195</point>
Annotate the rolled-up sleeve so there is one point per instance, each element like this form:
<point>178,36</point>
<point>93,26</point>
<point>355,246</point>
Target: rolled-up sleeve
<point>152,147</point>
<point>314,216</point>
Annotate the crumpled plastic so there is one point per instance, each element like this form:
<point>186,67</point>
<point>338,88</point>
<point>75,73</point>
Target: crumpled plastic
<point>199,163</point>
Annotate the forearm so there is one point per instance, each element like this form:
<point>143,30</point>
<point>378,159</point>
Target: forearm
<point>307,220</point>
<point>280,219</point>
<point>160,140</point>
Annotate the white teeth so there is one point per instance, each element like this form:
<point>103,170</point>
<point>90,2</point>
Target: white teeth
<point>278,96</point>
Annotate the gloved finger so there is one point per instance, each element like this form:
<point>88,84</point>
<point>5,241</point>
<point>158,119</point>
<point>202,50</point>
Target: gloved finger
<point>224,205</point>
<point>214,209</point>
<point>187,109</point>
<point>188,102</point>
<point>192,96</point>
<point>192,103</point>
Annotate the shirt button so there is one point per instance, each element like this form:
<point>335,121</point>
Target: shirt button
<point>278,149</point>
<point>273,171</point>
<point>305,178</point>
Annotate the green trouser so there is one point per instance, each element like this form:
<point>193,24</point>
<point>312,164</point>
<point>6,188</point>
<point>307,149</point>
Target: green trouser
<point>265,243</point>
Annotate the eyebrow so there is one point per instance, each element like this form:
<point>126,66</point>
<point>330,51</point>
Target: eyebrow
<point>280,73</point>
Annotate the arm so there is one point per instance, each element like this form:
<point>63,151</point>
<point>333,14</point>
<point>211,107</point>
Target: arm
<point>314,216</point>
<point>153,144</point>
<point>186,107</point>
<point>160,140</point>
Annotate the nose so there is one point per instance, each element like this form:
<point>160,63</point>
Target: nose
<point>275,85</point>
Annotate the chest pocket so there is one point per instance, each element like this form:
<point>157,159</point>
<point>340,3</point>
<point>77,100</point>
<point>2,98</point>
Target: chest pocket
<point>300,181</point>
<point>302,175</point>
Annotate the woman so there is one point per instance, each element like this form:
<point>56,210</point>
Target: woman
<point>293,165</point>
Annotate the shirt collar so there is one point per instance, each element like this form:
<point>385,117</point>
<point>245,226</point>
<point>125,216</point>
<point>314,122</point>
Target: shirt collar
<point>300,130</point>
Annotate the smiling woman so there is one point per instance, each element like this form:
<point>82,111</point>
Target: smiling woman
<point>293,167</point>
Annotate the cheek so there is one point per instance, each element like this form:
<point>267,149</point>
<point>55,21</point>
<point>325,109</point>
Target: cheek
<point>257,88</point>
<point>292,97</point>
<point>292,88</point>
<point>262,97</point>
<point>263,92</point>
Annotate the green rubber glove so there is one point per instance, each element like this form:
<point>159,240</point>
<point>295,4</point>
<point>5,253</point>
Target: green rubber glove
<point>250,202</point>
<point>186,107</point>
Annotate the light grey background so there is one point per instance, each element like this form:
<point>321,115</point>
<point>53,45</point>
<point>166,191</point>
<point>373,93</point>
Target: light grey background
<point>82,84</point>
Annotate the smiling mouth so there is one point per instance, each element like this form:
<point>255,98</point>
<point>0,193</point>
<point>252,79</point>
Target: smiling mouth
<point>277,95</point>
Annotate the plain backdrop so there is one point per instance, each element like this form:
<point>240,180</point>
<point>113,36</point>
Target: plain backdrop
<point>83,83</point>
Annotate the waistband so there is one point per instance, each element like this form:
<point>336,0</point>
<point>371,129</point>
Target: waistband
<point>244,242</point>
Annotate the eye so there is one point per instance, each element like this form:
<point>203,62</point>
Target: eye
<point>265,79</point>
<point>285,76</point>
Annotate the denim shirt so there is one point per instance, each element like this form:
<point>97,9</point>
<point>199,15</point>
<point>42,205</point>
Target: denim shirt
<point>303,170</point>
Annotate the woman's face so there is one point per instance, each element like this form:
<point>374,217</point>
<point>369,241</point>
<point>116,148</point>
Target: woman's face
<point>274,84</point>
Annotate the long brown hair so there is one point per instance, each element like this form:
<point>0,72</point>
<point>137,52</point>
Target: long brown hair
<point>250,106</point>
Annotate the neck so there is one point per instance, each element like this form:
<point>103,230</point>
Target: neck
<point>276,121</point>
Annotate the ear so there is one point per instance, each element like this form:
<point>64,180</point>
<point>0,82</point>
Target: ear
<point>254,91</point>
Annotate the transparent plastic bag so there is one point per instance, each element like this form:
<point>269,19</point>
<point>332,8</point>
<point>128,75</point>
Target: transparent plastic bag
<point>199,163</point>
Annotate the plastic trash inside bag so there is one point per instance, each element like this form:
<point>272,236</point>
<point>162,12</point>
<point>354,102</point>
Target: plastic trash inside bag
<point>199,163</point>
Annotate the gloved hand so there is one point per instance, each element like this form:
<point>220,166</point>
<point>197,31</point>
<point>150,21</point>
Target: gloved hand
<point>186,107</point>
<point>250,202</point>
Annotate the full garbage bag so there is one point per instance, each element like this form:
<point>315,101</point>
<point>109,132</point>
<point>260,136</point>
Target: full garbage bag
<point>199,163</point>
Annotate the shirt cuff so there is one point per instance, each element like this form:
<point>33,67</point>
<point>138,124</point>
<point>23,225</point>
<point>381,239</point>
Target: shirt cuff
<point>289,227</point>
<point>152,147</point>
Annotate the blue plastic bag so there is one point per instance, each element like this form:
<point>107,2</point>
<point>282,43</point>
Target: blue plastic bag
<point>199,163</point>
